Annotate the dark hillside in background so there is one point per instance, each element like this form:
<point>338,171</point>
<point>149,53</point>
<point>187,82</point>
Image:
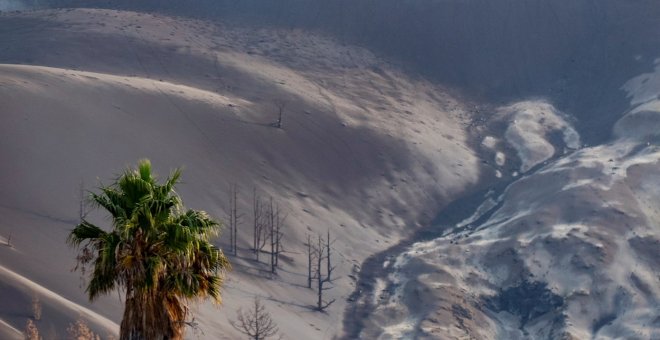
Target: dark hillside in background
<point>575,53</point>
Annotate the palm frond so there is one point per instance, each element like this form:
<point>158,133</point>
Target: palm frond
<point>144,168</point>
<point>103,280</point>
<point>84,231</point>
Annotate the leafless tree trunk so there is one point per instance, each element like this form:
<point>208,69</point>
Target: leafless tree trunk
<point>321,280</point>
<point>310,259</point>
<point>271,227</point>
<point>81,212</point>
<point>275,222</point>
<point>234,219</point>
<point>281,104</point>
<point>260,225</point>
<point>279,235</point>
<point>257,323</point>
<point>237,220</point>
<point>329,266</point>
<point>231,218</point>
<point>255,217</point>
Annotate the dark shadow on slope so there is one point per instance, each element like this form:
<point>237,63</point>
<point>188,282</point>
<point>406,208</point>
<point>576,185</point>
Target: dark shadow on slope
<point>361,307</point>
<point>527,300</point>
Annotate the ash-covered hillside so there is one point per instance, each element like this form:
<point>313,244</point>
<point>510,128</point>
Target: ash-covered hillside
<point>577,53</point>
<point>489,168</point>
<point>87,92</point>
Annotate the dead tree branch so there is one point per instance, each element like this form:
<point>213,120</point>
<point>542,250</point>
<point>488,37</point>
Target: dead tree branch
<point>310,260</point>
<point>280,104</point>
<point>275,223</point>
<point>260,227</point>
<point>235,219</point>
<point>320,256</point>
<point>256,323</point>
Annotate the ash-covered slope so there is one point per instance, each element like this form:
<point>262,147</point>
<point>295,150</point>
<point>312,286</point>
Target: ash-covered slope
<point>569,251</point>
<point>558,98</point>
<point>365,151</point>
<point>575,53</point>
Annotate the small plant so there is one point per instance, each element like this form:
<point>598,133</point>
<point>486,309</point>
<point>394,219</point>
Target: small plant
<point>80,331</point>
<point>31,331</point>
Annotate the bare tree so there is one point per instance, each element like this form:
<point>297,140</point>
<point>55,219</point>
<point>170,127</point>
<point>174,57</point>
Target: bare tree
<point>279,234</point>
<point>310,260</point>
<point>82,209</point>
<point>230,218</point>
<point>275,223</point>
<point>271,227</point>
<point>280,104</point>
<point>257,323</point>
<point>321,280</point>
<point>260,225</point>
<point>328,256</point>
<point>256,217</point>
<point>234,219</point>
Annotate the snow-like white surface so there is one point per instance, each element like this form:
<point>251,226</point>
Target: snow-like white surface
<point>571,225</point>
<point>643,120</point>
<point>644,88</point>
<point>490,142</point>
<point>500,158</point>
<point>530,125</point>
<point>46,294</point>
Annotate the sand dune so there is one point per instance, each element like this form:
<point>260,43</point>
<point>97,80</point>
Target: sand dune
<point>9,332</point>
<point>366,155</point>
<point>65,307</point>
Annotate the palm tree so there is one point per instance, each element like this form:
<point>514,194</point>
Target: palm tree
<point>157,253</point>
